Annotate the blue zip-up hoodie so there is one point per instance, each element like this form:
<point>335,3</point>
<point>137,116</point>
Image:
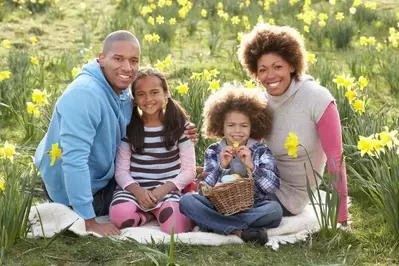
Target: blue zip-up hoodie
<point>88,122</point>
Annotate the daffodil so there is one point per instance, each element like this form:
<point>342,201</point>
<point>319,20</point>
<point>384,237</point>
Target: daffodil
<point>75,71</point>
<point>293,2</point>
<point>366,145</point>
<point>340,16</point>
<point>160,20</point>
<point>160,65</point>
<point>249,84</point>
<point>259,19</point>
<point>2,185</point>
<point>34,60</point>
<point>214,72</point>
<point>352,10</point>
<point>379,47</point>
<point>291,144</point>
<point>151,20</point>
<point>350,95</point>
<point>203,13</point>
<point>161,3</point>
<point>239,36</point>
<point>155,37</point>
<point>33,40</point>
<point>183,12</point>
<point>271,21</point>
<point>220,5</point>
<point>371,5</point>
<point>55,153</point>
<point>332,2</point>
<point>148,37</point>
<point>172,21</point>
<point>8,151</point>
<point>359,105</point>
<point>214,85</point>
<point>312,58</point>
<point>235,20</point>
<point>322,16</point>
<point>5,75</point>
<point>168,60</point>
<point>388,138</point>
<point>182,89</point>
<point>145,10</point>
<point>306,28</point>
<point>153,6</point>
<point>196,75</point>
<point>168,2</point>
<point>40,97</point>
<point>206,74</point>
<point>6,44</point>
<point>356,3</point>
<point>31,108</point>
<point>362,82</point>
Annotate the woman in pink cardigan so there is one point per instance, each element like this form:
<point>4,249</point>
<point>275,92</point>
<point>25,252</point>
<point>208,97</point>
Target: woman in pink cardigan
<point>276,58</point>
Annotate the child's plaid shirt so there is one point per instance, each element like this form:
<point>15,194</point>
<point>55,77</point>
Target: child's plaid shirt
<point>265,174</point>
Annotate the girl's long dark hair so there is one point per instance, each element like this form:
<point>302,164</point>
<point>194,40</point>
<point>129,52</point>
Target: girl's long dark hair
<point>173,120</point>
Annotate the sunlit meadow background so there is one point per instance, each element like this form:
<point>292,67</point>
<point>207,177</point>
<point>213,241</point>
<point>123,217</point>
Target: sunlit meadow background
<point>353,50</point>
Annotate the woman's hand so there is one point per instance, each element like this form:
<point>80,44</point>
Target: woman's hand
<point>191,132</point>
<point>244,154</point>
<point>226,156</point>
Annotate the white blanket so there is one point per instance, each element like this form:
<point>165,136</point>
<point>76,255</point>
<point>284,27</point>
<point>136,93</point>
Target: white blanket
<point>47,219</point>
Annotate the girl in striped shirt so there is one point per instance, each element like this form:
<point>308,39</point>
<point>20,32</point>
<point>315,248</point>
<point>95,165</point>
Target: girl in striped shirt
<point>156,161</point>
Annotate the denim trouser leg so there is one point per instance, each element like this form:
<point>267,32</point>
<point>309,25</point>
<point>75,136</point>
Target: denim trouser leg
<point>202,212</point>
<point>264,214</point>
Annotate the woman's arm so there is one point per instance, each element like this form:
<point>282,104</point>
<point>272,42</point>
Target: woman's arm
<point>329,129</point>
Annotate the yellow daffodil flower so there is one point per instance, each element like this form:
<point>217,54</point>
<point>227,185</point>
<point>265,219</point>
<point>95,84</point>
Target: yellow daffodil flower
<point>214,72</point>
<point>362,82</point>
<point>365,145</point>
<point>168,2</point>
<point>161,3</point>
<point>6,44</point>
<point>5,75</point>
<point>312,58</point>
<point>206,74</point>
<point>249,84</point>
<point>371,5</point>
<point>306,28</point>
<point>196,75</point>
<point>168,60</point>
<point>235,20</point>
<point>350,95</point>
<point>145,10</point>
<point>340,16</point>
<point>388,138</point>
<point>203,13</point>
<point>379,47</point>
<point>220,5</point>
<point>34,60</point>
<point>148,37</point>
<point>55,153</point>
<point>182,88</point>
<point>2,185</point>
<point>172,21</point>
<point>31,108</point>
<point>40,97</point>
<point>160,20</point>
<point>359,105</point>
<point>33,40</point>
<point>291,144</point>
<point>160,65</point>
<point>357,3</point>
<point>214,85</point>
<point>352,10</point>
<point>332,2</point>
<point>75,71</point>
<point>151,20</point>
<point>8,151</point>
<point>155,37</point>
<point>239,36</point>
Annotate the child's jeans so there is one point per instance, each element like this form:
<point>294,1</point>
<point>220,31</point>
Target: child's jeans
<point>264,214</point>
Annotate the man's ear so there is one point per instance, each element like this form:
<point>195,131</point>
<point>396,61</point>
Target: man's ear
<point>101,58</point>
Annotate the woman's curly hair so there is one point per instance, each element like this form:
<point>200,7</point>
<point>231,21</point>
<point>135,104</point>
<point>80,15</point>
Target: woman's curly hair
<point>251,102</point>
<point>281,40</point>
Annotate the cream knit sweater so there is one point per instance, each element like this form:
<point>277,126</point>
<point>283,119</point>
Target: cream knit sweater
<point>298,110</point>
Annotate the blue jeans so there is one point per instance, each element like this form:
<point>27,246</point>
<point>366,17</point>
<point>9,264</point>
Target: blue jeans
<point>264,214</point>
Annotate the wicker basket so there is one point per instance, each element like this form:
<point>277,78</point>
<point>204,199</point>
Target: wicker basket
<point>231,197</point>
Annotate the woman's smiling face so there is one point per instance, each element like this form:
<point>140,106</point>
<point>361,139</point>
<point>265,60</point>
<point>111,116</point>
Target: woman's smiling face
<point>274,73</point>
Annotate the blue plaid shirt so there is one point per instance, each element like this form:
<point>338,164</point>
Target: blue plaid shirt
<point>265,174</point>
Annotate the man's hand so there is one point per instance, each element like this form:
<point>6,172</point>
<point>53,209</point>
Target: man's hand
<point>101,229</point>
<point>226,156</point>
<point>191,132</point>
<point>244,153</point>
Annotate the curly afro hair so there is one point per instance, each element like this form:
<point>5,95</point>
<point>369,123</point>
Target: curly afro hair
<point>250,102</point>
<point>281,40</point>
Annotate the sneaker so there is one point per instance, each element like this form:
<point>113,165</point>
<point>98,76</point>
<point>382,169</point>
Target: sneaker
<point>255,235</point>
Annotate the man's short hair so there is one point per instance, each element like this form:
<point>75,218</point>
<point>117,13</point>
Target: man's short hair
<point>120,35</point>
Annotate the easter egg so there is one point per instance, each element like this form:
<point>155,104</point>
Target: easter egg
<point>227,178</point>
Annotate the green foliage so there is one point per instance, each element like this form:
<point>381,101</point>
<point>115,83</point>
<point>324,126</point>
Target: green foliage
<point>389,70</point>
<point>341,33</point>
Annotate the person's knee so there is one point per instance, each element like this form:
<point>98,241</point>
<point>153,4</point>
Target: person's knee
<point>122,213</point>
<point>186,202</point>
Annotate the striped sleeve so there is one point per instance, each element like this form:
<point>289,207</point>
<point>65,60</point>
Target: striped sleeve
<point>212,165</point>
<point>122,166</point>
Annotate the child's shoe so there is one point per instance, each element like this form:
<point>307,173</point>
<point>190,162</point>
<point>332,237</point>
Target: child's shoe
<point>255,235</point>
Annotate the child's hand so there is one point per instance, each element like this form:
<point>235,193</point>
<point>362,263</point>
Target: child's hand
<point>244,153</point>
<point>145,198</point>
<point>226,156</point>
<point>160,192</point>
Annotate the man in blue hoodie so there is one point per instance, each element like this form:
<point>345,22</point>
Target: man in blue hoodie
<point>88,123</point>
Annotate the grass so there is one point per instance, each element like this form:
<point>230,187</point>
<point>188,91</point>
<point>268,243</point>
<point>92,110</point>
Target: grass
<point>366,244</point>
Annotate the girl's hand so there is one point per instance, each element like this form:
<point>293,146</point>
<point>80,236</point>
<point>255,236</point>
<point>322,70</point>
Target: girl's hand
<point>226,156</point>
<point>160,192</point>
<point>244,153</point>
<point>145,198</point>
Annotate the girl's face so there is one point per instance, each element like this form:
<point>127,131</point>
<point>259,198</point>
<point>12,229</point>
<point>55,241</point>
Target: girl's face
<point>149,95</point>
<point>236,128</point>
<point>274,73</point>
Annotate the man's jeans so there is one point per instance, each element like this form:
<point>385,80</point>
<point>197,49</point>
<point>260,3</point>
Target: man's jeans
<point>264,214</point>
<point>101,200</point>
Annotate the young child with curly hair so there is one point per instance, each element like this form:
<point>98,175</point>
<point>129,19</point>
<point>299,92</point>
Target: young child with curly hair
<point>240,117</point>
